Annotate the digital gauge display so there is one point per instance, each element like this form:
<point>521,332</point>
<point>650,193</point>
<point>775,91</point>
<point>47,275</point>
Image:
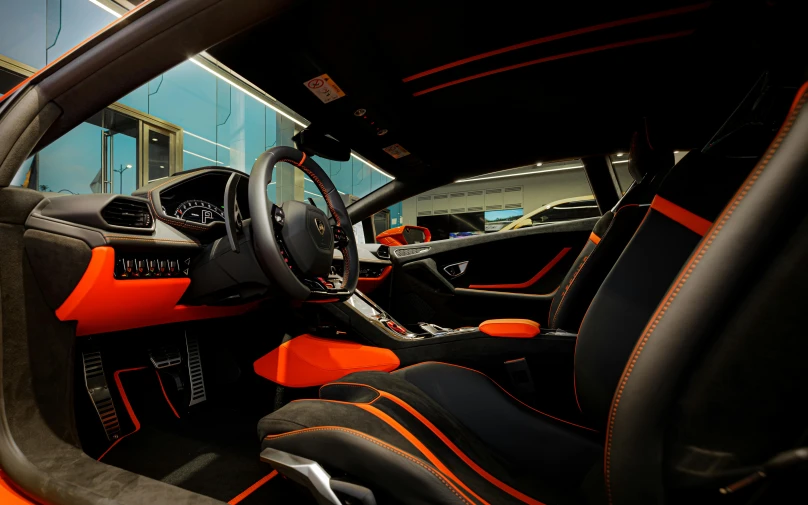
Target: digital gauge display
<point>199,211</point>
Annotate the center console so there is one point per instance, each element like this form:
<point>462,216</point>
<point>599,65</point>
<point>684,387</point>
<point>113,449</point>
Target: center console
<point>385,323</point>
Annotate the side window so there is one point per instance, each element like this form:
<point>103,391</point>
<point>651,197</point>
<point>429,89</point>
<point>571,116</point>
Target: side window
<point>503,200</point>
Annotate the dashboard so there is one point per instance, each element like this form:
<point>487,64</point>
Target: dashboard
<point>197,199</point>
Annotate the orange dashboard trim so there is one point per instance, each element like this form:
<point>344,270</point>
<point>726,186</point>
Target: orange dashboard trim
<point>307,361</point>
<point>101,304</point>
<point>369,284</point>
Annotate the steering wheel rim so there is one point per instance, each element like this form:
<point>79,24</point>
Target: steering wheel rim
<point>270,251</point>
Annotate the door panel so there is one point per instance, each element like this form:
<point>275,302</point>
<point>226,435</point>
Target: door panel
<point>504,275</point>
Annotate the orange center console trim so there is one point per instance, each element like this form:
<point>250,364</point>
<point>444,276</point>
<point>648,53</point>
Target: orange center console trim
<point>101,304</point>
<point>369,284</point>
<point>308,361</point>
<point>510,328</point>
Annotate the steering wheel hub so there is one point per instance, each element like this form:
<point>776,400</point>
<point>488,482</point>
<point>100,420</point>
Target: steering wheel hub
<point>308,238</point>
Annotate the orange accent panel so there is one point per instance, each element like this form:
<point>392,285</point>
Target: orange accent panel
<point>250,490</point>
<point>580,52</point>
<point>510,328</point>
<point>529,282</point>
<point>100,303</point>
<point>395,236</point>
<point>559,36</point>
<point>9,493</point>
<point>165,395</point>
<point>369,284</point>
<point>594,238</point>
<point>681,215</point>
<point>381,443</point>
<point>308,361</point>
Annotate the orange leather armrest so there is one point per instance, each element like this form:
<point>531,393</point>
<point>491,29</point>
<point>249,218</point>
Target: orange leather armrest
<point>510,328</point>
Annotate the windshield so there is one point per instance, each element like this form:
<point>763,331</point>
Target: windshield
<point>198,114</point>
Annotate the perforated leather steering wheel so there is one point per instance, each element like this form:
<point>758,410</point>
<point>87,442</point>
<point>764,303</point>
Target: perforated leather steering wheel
<point>295,242</point>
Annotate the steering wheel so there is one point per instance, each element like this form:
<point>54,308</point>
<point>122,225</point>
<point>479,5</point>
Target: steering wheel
<point>294,243</point>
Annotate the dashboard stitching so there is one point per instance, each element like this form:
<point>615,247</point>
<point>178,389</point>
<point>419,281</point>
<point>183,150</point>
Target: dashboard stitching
<point>120,237</point>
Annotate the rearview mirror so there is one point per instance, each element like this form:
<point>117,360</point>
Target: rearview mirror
<point>404,235</point>
<point>314,143</point>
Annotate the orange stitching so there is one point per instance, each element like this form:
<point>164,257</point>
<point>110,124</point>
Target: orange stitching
<point>566,289</point>
<point>689,269</point>
<point>120,237</point>
<point>382,445</point>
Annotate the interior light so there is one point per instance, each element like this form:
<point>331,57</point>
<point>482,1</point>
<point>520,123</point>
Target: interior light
<point>99,4</point>
<point>161,166</point>
<point>620,154</point>
<point>675,152</point>
<point>128,166</point>
<point>620,161</point>
<point>154,140</point>
<point>538,164</point>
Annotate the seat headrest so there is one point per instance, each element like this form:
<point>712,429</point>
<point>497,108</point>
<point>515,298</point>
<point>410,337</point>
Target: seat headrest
<point>647,158</point>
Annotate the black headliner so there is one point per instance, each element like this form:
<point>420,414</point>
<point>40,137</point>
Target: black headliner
<point>582,105</point>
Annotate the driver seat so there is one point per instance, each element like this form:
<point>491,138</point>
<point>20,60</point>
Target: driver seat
<point>444,434</point>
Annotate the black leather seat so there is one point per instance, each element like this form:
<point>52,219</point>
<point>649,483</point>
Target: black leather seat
<point>648,166</point>
<point>438,433</point>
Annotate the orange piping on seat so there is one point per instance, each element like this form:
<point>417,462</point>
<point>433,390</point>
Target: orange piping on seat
<point>102,304</point>
<point>448,482</point>
<point>460,454</point>
<point>614,45</point>
<point>250,490</point>
<point>560,36</point>
<point>594,238</point>
<point>530,282</point>
<point>417,443</point>
<point>165,395</point>
<point>681,215</point>
<point>504,391</point>
<point>129,409</point>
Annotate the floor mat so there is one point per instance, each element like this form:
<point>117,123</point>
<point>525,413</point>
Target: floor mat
<point>214,452</point>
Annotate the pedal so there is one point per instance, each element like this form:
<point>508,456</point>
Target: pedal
<point>98,390</point>
<point>165,357</point>
<point>196,381</point>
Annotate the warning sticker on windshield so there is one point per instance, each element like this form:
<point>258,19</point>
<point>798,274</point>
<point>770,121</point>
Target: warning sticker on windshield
<point>396,151</point>
<point>324,88</point>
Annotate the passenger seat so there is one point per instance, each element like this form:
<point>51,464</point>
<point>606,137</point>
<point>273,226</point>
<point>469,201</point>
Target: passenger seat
<point>647,166</point>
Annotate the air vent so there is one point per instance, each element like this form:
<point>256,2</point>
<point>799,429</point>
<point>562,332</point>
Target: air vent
<point>127,212</point>
<point>383,252</point>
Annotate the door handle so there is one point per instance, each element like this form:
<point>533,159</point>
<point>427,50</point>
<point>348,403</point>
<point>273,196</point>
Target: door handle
<point>456,269</point>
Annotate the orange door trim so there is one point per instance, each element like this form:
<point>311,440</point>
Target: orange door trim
<point>101,304</point>
<point>533,280</point>
<point>307,361</point>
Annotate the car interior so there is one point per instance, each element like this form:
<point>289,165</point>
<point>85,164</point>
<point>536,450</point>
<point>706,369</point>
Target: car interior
<point>197,342</point>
